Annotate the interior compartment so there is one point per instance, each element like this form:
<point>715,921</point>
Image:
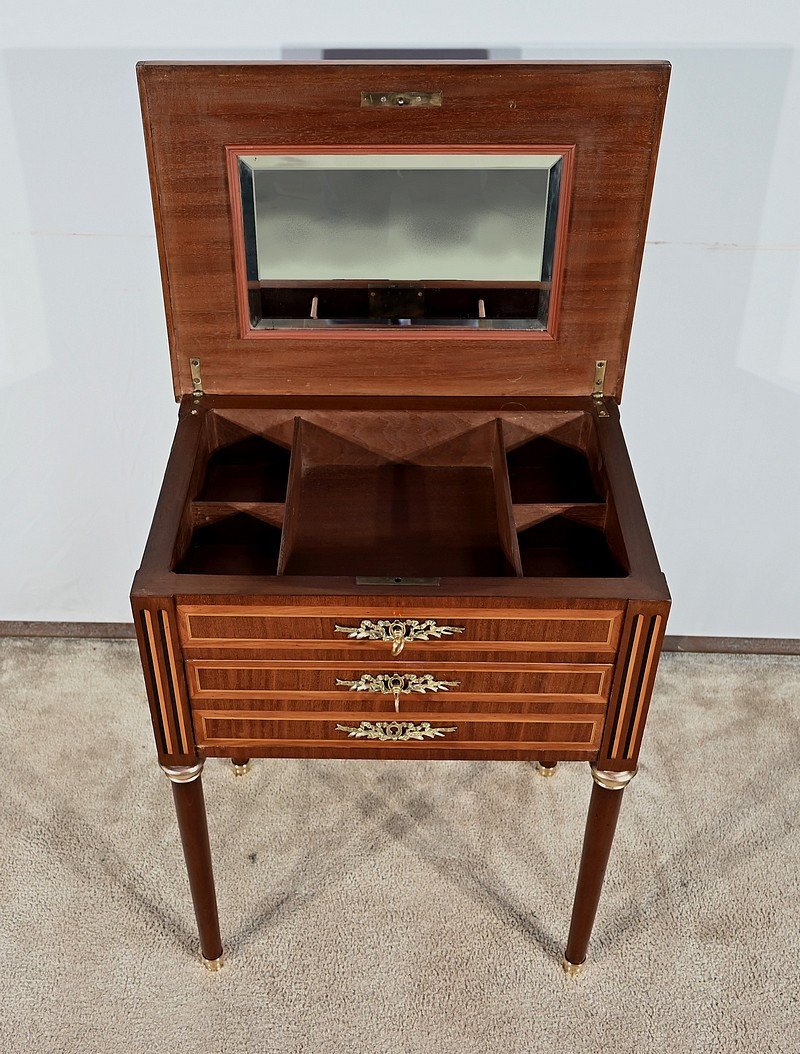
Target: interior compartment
<point>548,470</point>
<point>364,513</point>
<point>560,547</point>
<point>400,495</point>
<point>401,520</point>
<point>235,545</point>
<point>248,469</point>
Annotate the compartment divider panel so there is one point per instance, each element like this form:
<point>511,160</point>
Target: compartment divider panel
<point>293,491</point>
<point>502,490</point>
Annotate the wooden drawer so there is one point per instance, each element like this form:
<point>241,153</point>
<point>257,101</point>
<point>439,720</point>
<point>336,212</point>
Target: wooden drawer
<point>416,684</point>
<point>499,629</point>
<point>249,731</point>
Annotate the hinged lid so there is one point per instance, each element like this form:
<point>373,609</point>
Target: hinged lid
<point>391,229</point>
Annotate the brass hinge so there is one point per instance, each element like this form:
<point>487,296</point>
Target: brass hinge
<point>597,391</point>
<point>197,380</point>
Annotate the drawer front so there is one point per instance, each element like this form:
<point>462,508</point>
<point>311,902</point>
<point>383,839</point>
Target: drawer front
<point>375,631</point>
<point>233,728</point>
<point>412,685</point>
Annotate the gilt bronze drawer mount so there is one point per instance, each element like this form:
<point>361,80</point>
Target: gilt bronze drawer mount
<point>397,684</point>
<point>398,631</point>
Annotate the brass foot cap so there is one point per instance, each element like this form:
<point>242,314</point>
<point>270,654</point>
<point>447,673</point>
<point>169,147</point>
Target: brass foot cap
<point>572,969</point>
<point>213,964</point>
<point>242,770</point>
<point>546,770</point>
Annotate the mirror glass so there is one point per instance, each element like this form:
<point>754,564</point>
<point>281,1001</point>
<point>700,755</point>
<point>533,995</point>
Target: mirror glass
<point>455,239</point>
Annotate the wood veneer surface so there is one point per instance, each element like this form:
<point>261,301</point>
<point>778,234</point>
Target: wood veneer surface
<point>546,733</point>
<point>610,112</point>
<point>406,520</point>
<point>584,629</point>
<point>420,495</point>
<point>228,678</point>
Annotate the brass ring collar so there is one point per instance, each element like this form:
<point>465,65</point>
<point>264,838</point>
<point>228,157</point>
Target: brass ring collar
<point>182,773</point>
<point>613,781</point>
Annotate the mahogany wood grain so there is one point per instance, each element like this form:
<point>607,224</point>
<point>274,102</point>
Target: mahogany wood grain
<point>205,512</point>
<point>208,677</point>
<point>590,513</point>
<point>436,435</point>
<point>363,706</point>
<point>500,628</point>
<point>294,485</point>
<point>369,659</point>
<point>357,506</point>
<point>506,526</point>
<point>249,731</point>
<point>430,435</point>
<point>201,588</point>
<point>640,647</point>
<point>162,665</point>
<point>610,112</point>
<point>628,509</point>
<point>483,451</point>
<point>191,811</point>
<point>601,823</point>
<point>366,751</point>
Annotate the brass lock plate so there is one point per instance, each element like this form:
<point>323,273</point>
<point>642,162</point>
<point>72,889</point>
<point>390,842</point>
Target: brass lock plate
<point>395,99</point>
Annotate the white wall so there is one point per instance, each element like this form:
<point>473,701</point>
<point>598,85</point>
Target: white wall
<point>712,400</point>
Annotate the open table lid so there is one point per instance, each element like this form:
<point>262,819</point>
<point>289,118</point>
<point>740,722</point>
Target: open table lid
<point>233,148</point>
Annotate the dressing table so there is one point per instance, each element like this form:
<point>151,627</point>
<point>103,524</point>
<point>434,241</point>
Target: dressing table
<point>399,519</point>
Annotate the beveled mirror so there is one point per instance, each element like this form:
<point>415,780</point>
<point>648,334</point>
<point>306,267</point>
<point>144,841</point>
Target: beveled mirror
<point>457,239</point>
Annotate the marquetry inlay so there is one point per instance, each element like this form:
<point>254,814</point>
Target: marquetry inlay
<point>226,728</point>
<point>174,730</point>
<point>638,658</point>
<point>505,629</point>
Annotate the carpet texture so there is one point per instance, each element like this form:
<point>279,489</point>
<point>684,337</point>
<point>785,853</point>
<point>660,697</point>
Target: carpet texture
<point>402,907</point>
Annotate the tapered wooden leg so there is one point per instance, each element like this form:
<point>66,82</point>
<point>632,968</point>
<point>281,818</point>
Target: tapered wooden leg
<point>600,826</point>
<point>190,806</point>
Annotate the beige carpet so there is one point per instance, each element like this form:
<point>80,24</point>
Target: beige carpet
<point>402,907</point>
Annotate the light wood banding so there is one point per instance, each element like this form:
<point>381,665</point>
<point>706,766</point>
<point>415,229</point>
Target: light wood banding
<point>368,706</point>
<point>648,678</point>
<point>160,689</point>
<point>502,628</point>
<point>632,686</point>
<point>172,665</point>
<point>225,728</point>
<point>259,679</point>
<point>633,665</point>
